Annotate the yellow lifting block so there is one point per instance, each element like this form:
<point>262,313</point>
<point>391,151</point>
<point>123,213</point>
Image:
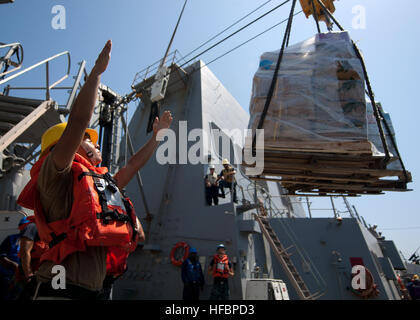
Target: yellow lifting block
<point>308,9</point>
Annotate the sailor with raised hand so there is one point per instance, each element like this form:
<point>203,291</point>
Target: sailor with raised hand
<point>80,211</point>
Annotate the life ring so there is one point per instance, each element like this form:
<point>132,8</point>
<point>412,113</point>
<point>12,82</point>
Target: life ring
<point>371,287</point>
<point>178,245</point>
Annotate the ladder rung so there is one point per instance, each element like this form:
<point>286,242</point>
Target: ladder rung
<point>282,254</point>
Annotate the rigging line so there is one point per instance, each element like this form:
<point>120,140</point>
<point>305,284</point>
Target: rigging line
<point>274,79</point>
<point>226,29</point>
<point>163,60</point>
<point>214,37</point>
<point>249,40</point>
<point>315,15</point>
<point>173,35</point>
<point>372,98</point>
<point>237,47</point>
<point>155,63</point>
<point>234,33</point>
<point>179,67</point>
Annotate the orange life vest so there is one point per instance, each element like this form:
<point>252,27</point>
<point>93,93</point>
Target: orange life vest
<point>221,266</point>
<point>97,217</point>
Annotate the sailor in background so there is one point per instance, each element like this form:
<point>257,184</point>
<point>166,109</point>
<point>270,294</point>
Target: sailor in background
<point>212,189</point>
<point>221,269</point>
<point>30,252</point>
<point>413,287</point>
<point>9,263</point>
<point>227,179</point>
<point>192,276</point>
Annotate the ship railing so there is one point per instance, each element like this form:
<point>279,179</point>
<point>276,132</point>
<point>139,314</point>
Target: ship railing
<point>302,253</point>
<point>33,150</point>
<point>304,256</point>
<point>142,75</point>
<point>288,231</point>
<point>48,87</point>
<point>6,61</point>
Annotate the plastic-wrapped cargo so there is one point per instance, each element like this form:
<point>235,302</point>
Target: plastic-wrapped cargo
<point>319,99</point>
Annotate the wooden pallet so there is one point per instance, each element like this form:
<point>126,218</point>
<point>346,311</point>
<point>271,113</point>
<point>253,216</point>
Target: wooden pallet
<point>350,147</point>
<point>328,173</point>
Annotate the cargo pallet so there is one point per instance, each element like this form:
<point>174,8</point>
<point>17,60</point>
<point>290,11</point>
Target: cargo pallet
<point>324,174</point>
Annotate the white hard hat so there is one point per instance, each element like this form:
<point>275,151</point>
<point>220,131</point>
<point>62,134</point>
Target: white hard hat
<point>212,166</point>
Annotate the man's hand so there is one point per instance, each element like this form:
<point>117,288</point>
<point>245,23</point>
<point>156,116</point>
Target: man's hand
<point>136,162</point>
<point>81,113</point>
<point>164,122</point>
<point>103,60</point>
<point>231,273</point>
<point>229,173</point>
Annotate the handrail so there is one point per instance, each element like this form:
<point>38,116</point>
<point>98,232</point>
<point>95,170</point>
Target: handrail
<point>142,74</point>
<point>6,45</point>
<point>46,62</point>
<point>304,256</point>
<point>9,54</point>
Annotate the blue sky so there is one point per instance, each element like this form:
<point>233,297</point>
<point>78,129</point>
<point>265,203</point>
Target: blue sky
<point>141,29</point>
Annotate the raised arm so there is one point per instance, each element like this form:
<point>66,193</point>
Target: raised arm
<point>81,113</point>
<point>136,162</point>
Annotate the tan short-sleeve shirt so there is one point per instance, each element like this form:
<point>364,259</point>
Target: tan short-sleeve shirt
<point>86,269</point>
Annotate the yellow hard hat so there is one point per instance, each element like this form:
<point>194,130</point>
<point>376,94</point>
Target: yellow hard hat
<point>225,161</point>
<point>53,134</point>
<point>415,277</point>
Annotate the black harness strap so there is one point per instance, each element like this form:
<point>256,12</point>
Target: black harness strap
<point>110,215</point>
<point>91,174</point>
<point>129,210</point>
<point>270,93</point>
<point>56,239</point>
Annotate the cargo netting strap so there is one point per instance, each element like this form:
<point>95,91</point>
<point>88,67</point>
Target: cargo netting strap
<point>376,110</point>
<point>315,14</point>
<point>276,71</point>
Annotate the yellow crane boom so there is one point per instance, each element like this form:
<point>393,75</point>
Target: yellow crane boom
<point>307,8</point>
